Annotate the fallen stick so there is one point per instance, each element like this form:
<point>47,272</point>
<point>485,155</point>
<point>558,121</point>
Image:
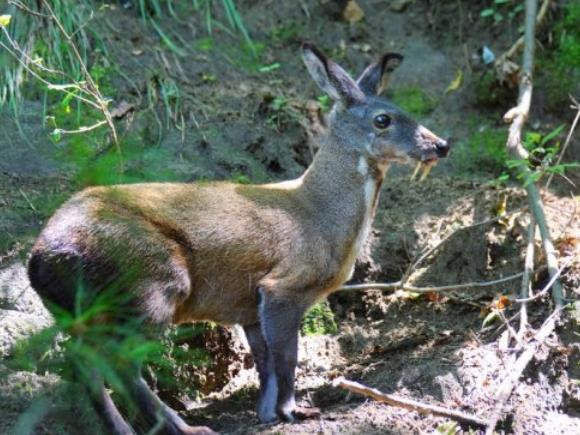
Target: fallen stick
<point>508,383</point>
<point>400,285</point>
<point>413,405</point>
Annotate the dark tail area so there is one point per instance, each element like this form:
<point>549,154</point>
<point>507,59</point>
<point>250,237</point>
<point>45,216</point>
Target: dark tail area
<point>56,278</point>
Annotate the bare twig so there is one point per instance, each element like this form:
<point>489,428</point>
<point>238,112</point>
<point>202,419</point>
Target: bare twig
<point>508,325</point>
<point>103,102</point>
<point>400,285</point>
<point>547,286</point>
<point>575,106</point>
<point>413,405</point>
<point>528,269</point>
<point>433,248</point>
<point>508,383</point>
<point>82,129</point>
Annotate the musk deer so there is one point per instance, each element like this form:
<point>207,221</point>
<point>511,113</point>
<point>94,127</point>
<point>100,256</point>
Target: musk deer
<point>254,255</point>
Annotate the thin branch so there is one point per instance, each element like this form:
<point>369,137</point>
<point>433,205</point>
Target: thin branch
<point>91,83</point>
<point>509,327</point>
<point>520,42</point>
<point>399,285</point>
<point>82,129</point>
<point>518,116</point>
<point>432,249</point>
<point>547,286</point>
<point>41,79</point>
<point>413,405</point>
<point>528,270</point>
<point>576,106</point>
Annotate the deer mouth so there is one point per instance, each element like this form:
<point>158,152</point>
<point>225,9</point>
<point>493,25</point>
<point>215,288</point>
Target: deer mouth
<point>424,167</point>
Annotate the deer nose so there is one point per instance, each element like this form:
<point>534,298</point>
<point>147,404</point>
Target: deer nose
<point>442,148</point>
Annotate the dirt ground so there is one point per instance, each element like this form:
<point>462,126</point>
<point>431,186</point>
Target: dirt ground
<point>431,348</point>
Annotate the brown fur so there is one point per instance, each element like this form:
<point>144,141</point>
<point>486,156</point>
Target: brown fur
<point>221,240</point>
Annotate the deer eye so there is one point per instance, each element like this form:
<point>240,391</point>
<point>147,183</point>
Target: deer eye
<point>382,121</point>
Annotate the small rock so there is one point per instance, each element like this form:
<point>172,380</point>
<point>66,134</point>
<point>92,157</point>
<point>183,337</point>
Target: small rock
<point>17,294</point>
<point>15,326</point>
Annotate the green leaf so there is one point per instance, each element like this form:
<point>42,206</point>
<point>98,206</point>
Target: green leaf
<point>493,314</point>
<point>487,12</point>
<point>268,68</point>
<point>56,135</point>
<point>532,138</point>
<point>554,133</point>
<point>501,2</point>
<point>503,177</point>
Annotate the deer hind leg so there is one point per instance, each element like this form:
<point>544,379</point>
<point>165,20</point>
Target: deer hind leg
<point>280,320</point>
<point>265,367</point>
<point>157,413</point>
<point>105,407</point>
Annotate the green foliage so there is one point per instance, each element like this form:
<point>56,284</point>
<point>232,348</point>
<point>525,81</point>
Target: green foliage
<point>319,320</point>
<point>287,33</point>
<point>86,342</point>
<point>180,356</point>
<point>240,178</point>
<point>559,69</point>
<point>543,149</point>
<point>499,9</point>
<point>325,103</point>
<point>278,111</point>
<point>490,93</point>
<point>414,100</point>
<point>569,36</point>
<point>45,46</point>
<point>152,10</point>
<point>484,151</point>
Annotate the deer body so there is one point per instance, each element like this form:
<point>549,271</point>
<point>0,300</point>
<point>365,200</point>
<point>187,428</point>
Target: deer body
<point>255,255</point>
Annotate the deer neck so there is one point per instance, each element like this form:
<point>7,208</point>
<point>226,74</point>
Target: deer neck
<point>342,185</point>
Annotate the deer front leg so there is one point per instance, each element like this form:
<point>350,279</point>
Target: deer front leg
<point>280,318</point>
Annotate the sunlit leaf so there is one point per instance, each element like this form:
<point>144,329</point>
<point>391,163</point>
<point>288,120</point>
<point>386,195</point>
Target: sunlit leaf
<point>5,20</point>
<point>492,316</point>
<point>487,12</point>
<point>554,133</point>
<point>456,83</point>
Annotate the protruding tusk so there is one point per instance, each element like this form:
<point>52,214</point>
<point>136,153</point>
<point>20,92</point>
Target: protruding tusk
<point>425,172</point>
<point>416,171</point>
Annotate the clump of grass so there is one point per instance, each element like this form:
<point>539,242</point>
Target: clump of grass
<point>80,345</point>
<point>414,100</point>
<point>490,93</point>
<point>319,320</point>
<point>43,46</point>
<point>149,9</point>
<point>559,70</point>
<point>483,152</point>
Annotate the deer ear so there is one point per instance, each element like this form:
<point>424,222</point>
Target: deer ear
<point>330,77</point>
<point>375,77</point>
